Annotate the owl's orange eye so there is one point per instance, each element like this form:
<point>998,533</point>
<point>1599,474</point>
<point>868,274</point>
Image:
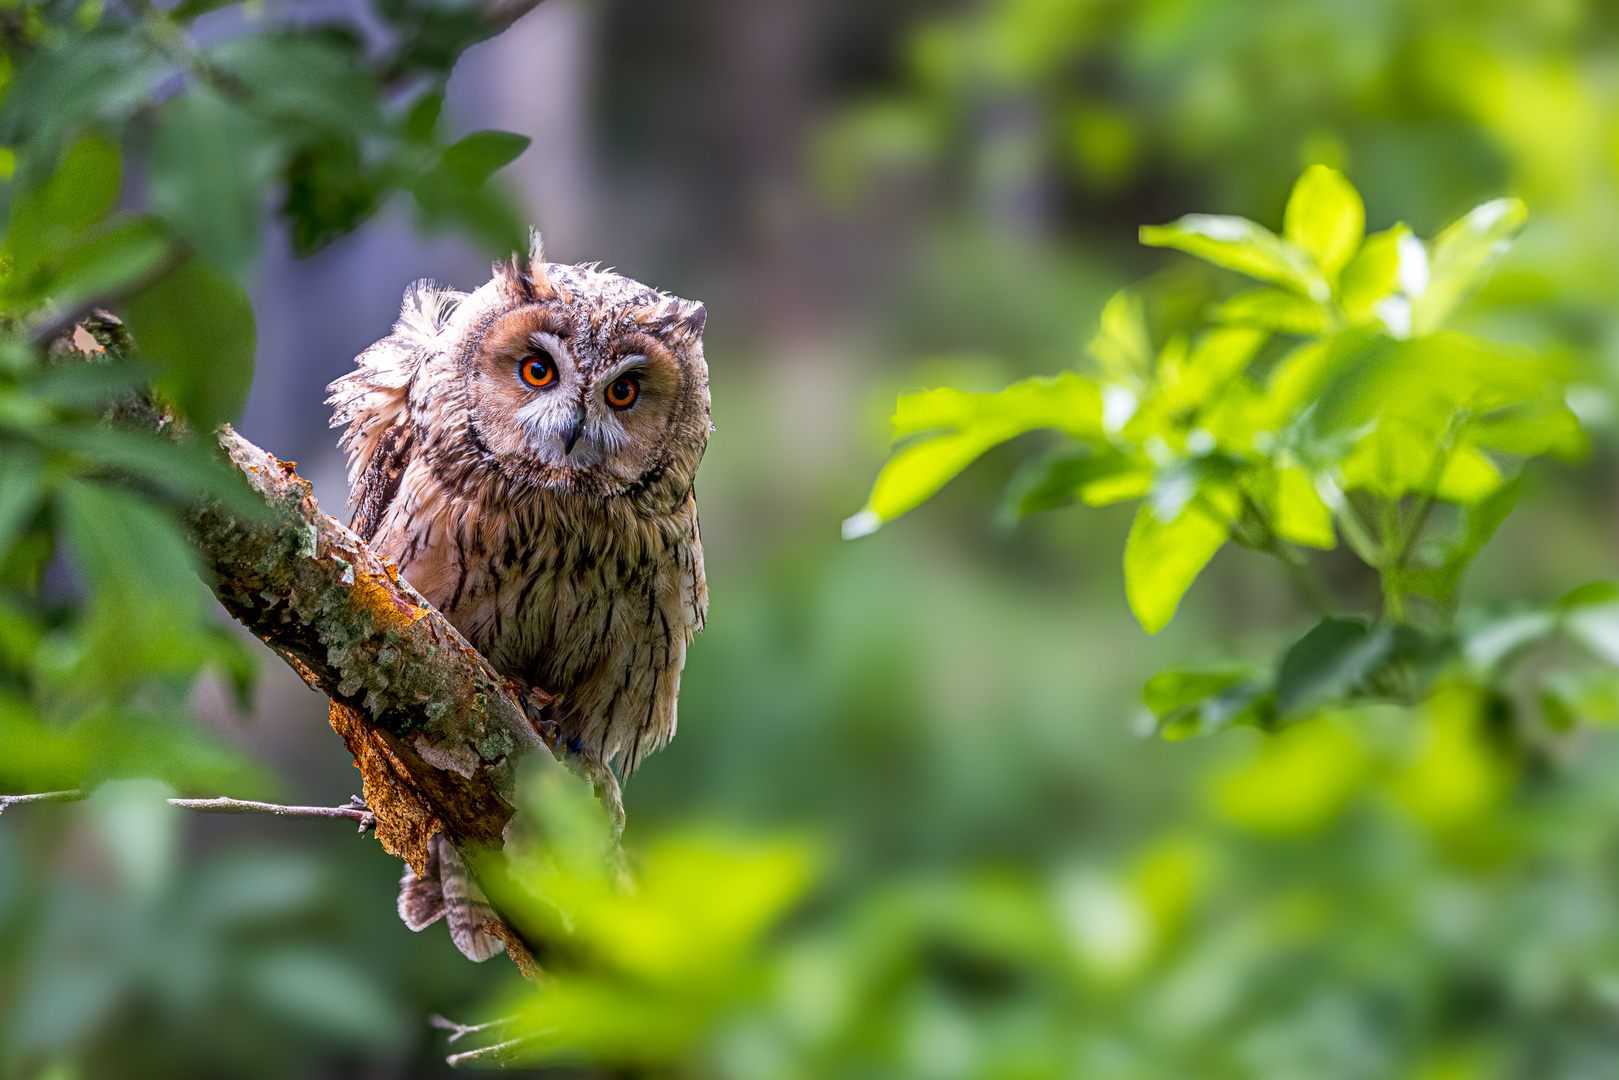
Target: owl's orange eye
<point>622,393</point>
<point>537,371</point>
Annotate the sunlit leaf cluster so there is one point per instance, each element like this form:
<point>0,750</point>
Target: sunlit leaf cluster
<point>1327,405</point>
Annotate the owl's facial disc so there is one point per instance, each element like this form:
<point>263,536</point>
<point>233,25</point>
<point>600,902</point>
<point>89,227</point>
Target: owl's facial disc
<point>576,406</point>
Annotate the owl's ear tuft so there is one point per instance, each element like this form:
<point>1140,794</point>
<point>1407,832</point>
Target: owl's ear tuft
<point>526,280</point>
<point>691,317</point>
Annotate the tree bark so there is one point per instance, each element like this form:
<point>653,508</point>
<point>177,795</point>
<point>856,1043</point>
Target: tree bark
<point>434,730</point>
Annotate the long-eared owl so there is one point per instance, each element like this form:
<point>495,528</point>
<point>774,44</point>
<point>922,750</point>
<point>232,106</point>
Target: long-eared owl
<point>525,454</point>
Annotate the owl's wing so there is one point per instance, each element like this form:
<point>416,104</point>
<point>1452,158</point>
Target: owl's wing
<point>373,401</point>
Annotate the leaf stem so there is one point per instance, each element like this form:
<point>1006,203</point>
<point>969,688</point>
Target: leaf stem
<point>1388,570</point>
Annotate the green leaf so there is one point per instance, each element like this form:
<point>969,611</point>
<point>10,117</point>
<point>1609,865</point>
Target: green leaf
<point>1188,702</point>
<point>195,325</point>
<point>329,191</point>
<point>1479,523</point>
<point>1463,256</point>
<point>1244,246</point>
<point>1164,555</point>
<point>21,487</point>
<point>1374,273</point>
<point>58,93</point>
<point>300,82</point>
<point>48,219</point>
<point>956,427</point>
<point>114,259</point>
<point>422,119</point>
<point>1298,514</point>
<point>1095,478</point>
<point>466,166</point>
<point>207,172</point>
<point>1122,346</point>
<point>1329,662</point>
<point>184,470</point>
<point>1325,217</point>
<point>1274,309</point>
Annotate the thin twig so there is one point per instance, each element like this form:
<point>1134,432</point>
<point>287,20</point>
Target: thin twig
<point>503,1051</point>
<point>457,1030</point>
<point>8,801</point>
<point>355,811</point>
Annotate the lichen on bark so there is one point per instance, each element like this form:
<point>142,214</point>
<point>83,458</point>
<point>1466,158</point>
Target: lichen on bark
<point>434,729</point>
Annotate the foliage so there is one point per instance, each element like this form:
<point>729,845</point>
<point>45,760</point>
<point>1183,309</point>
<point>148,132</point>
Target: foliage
<point>1328,403</point>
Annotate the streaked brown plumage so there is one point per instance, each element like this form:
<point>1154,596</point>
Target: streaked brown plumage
<point>525,454</point>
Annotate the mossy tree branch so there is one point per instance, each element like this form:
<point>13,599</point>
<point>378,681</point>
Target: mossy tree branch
<point>435,731</point>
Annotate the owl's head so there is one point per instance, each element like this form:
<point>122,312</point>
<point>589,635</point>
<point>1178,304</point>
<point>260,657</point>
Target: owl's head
<point>585,379</point>
<point>548,376</point>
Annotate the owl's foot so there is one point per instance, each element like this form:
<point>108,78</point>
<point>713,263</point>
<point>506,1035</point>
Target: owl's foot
<point>588,764</point>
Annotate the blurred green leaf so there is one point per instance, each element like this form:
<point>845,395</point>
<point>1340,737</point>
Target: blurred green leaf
<point>1166,551</point>
<point>58,93</point>
<point>21,486</point>
<point>1298,513</point>
<point>1462,256</point>
<point>1325,217</point>
<point>1122,346</point>
<point>466,166</point>
<point>116,258</point>
<point>195,326</point>
<point>207,172</point>
<point>1241,245</point>
<point>302,83</point>
<point>956,428</point>
<point>329,191</point>
<point>1275,309</point>
<point>1373,273</point>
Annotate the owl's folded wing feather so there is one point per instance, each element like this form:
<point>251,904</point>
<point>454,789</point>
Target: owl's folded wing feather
<point>373,401</point>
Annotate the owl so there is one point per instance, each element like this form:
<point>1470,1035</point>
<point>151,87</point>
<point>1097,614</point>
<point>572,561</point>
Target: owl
<point>525,454</point>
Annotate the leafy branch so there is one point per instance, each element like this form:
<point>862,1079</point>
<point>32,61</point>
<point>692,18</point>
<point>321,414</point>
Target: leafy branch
<point>1328,403</point>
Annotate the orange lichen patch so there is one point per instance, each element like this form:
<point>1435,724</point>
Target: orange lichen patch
<point>391,570</point>
<point>388,609</point>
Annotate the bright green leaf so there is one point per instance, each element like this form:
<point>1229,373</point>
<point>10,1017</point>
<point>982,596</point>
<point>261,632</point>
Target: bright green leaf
<point>1122,346</point>
<point>1462,258</point>
<point>1274,309</point>
<point>1373,274</point>
<point>1325,217</point>
<point>957,427</point>
<point>1298,514</point>
<point>1163,558</point>
<point>1239,244</point>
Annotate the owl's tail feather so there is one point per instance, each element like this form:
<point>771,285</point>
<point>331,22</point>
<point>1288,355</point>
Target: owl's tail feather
<point>448,892</point>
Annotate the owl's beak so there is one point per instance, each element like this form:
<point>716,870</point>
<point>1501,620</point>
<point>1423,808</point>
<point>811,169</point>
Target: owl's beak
<point>573,431</point>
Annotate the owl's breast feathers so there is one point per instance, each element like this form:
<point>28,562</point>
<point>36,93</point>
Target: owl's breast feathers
<point>584,598</point>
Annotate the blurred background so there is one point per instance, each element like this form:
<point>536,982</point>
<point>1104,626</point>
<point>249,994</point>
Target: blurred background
<point>1012,881</point>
